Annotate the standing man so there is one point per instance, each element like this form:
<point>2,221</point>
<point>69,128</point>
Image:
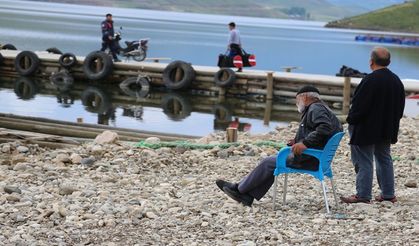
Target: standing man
<point>234,42</point>
<point>107,37</point>
<point>374,118</point>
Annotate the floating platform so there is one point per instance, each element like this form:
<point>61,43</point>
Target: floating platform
<point>410,41</point>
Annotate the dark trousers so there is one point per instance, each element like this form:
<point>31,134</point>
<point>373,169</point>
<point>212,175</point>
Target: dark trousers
<point>363,160</point>
<point>235,50</point>
<point>260,180</point>
<point>112,47</point>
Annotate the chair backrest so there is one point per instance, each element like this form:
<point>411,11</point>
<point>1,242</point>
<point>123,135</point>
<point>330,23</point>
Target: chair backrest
<point>330,150</point>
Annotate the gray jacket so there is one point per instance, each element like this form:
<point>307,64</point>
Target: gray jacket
<point>318,124</point>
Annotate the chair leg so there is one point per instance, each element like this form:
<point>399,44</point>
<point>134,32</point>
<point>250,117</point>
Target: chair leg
<point>284,198</point>
<point>334,193</point>
<point>274,192</point>
<point>325,197</point>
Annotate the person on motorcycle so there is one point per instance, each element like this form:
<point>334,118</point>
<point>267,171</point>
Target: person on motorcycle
<point>107,37</point>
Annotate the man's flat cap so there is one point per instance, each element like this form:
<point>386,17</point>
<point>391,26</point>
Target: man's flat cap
<point>307,88</point>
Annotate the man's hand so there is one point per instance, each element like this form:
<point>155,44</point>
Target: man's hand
<point>110,37</point>
<point>291,142</point>
<point>298,148</point>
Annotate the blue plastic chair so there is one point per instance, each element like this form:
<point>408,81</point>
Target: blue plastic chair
<point>325,157</point>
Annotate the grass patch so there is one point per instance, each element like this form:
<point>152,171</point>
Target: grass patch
<point>397,18</point>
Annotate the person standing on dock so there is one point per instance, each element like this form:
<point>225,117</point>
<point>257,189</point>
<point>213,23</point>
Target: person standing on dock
<point>374,118</point>
<point>234,42</point>
<point>107,37</point>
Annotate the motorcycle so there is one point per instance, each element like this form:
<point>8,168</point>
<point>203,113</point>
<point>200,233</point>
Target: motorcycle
<point>136,50</point>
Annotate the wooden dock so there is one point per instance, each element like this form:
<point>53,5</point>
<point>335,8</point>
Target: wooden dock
<point>267,84</point>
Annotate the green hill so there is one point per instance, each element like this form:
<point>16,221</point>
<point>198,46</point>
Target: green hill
<point>397,18</point>
<point>322,10</point>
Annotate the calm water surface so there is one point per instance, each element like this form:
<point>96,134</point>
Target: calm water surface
<point>195,38</point>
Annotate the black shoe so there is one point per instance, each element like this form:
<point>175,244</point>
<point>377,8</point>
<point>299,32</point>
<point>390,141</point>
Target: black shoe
<point>221,184</point>
<point>117,60</point>
<point>245,199</point>
<point>239,70</point>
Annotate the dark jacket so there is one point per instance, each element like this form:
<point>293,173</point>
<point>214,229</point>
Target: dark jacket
<point>318,124</point>
<point>377,107</point>
<point>107,30</point>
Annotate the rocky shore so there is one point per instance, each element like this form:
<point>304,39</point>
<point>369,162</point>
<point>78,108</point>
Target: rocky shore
<point>118,194</point>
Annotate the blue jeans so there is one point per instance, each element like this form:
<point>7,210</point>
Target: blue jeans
<point>363,158</point>
<point>234,50</point>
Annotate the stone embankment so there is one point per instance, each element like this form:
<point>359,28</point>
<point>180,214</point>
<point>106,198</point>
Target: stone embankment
<point>116,194</point>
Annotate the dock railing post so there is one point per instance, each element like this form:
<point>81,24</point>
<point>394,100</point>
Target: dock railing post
<point>269,97</point>
<point>346,95</point>
<point>268,111</point>
<point>269,85</point>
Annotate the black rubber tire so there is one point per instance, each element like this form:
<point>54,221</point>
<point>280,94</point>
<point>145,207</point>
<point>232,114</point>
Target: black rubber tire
<point>91,93</point>
<point>62,80</point>
<point>141,92</point>
<point>89,63</point>
<point>54,50</point>
<point>8,47</point>
<point>67,60</point>
<point>141,57</point>
<point>33,66</point>
<point>1,59</point>
<point>228,81</point>
<point>25,88</point>
<point>222,113</point>
<point>169,75</point>
<point>184,105</point>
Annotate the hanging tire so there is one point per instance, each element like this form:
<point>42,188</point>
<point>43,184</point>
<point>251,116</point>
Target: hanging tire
<point>62,80</point>
<point>222,113</point>
<point>225,77</point>
<point>27,63</point>
<point>8,47</point>
<point>95,100</point>
<point>135,87</point>
<point>54,50</point>
<point>176,107</point>
<point>178,75</point>
<point>25,88</point>
<point>67,60</point>
<point>90,69</point>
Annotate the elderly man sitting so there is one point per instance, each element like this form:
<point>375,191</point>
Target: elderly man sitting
<point>318,124</point>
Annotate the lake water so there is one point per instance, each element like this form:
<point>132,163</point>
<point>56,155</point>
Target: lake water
<point>195,38</point>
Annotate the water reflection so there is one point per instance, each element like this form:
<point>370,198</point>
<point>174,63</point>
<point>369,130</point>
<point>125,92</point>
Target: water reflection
<point>176,107</point>
<point>183,113</point>
<point>65,99</point>
<point>25,88</point>
<point>98,100</point>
